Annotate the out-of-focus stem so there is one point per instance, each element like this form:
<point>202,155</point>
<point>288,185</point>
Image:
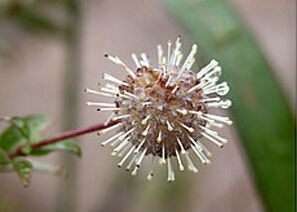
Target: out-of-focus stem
<point>63,136</point>
<point>66,196</point>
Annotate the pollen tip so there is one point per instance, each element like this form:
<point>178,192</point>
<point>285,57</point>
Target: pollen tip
<point>119,166</point>
<point>106,54</point>
<point>149,177</point>
<point>179,36</point>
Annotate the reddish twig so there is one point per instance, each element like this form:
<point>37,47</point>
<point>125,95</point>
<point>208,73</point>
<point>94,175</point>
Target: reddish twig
<point>69,134</point>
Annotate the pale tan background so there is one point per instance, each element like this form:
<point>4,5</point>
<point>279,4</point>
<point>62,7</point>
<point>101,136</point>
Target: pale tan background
<point>33,82</point>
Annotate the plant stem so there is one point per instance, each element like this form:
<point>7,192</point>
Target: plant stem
<point>63,136</point>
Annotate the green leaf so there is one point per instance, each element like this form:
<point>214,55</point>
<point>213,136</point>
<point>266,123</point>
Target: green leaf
<point>23,168</point>
<point>65,145</point>
<point>48,168</point>
<point>22,126</point>
<point>22,131</point>
<point>260,110</point>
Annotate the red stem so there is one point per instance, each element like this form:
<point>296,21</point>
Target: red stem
<point>69,134</point>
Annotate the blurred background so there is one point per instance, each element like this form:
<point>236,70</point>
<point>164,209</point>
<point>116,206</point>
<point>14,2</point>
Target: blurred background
<point>50,50</point>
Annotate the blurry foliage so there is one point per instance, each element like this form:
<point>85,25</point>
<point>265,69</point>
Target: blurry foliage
<point>261,111</point>
<point>25,132</point>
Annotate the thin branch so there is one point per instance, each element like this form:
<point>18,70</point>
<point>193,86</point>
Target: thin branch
<point>69,134</point>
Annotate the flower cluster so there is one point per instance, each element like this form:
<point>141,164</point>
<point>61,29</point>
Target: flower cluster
<point>163,111</point>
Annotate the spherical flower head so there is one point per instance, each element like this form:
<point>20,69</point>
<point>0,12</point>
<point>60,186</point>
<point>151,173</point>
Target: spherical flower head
<point>164,111</point>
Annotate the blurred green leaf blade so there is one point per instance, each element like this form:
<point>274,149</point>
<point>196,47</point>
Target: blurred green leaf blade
<point>260,110</point>
<point>65,145</point>
<point>22,131</point>
<point>48,168</point>
<point>23,168</point>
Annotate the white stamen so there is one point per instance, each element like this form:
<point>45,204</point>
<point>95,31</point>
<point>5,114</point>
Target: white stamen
<point>131,162</point>
<point>170,177</point>
<point>175,89</point>
<point>176,51</point>
<point>183,151</point>
<point>130,94</point>
<point>135,59</point>
<point>198,113</point>
<point>144,121</point>
<point>124,150</point>
<point>169,43</point>
<point>117,61</point>
<point>101,104</point>
<point>162,160</point>
<point>223,104</point>
<point>208,153</point>
<point>199,154</point>
<point>191,166</point>
<point>159,139</point>
<point>212,140</point>
<point>219,118</point>
<point>134,172</point>
<point>110,128</point>
<point>215,99</point>
<point>111,86</point>
<point>202,84</point>
<point>180,165</point>
<point>189,64</point>
<point>120,164</point>
<point>111,138</point>
<point>169,127</point>
<point>122,137</point>
<point>189,58</point>
<point>110,78</point>
<point>122,145</point>
<point>194,142</point>
<point>139,146</point>
<point>183,111</point>
<point>160,54</point>
<point>108,119</point>
<point>168,81</point>
<point>138,162</point>
<point>120,117</point>
<point>190,129</point>
<point>98,93</point>
<point>207,68</point>
<point>218,125</point>
<point>151,170</point>
<point>146,103</point>
<point>178,59</point>
<point>109,90</point>
<point>111,109</point>
<point>221,89</point>
<point>209,131</point>
<point>214,74</point>
<point>144,61</point>
<point>145,132</point>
